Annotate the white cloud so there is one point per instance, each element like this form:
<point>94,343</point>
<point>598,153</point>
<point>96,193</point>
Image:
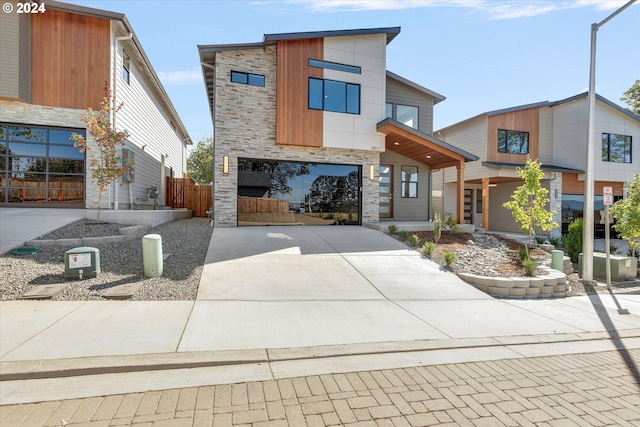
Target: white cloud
<point>494,9</point>
<point>180,77</point>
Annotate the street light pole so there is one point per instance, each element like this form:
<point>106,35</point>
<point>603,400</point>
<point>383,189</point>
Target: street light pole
<point>589,181</point>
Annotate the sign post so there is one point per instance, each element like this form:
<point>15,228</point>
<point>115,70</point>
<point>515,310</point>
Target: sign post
<point>607,193</point>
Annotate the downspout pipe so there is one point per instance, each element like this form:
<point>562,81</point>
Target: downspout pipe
<point>113,97</point>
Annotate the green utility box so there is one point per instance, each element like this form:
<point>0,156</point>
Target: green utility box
<point>81,263</point>
<point>622,268</point>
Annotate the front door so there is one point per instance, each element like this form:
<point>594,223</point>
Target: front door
<point>386,191</point>
<point>468,206</point>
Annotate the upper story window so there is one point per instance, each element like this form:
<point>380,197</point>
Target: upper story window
<point>334,66</point>
<point>513,142</point>
<point>126,66</point>
<point>616,148</point>
<point>332,95</point>
<point>247,78</point>
<point>405,114</point>
<point>409,181</point>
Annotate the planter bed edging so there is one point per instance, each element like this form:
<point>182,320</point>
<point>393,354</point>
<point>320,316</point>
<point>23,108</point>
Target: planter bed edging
<point>551,285</point>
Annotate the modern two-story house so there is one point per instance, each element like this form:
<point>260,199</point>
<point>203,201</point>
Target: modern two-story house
<point>55,64</point>
<point>311,128</point>
<point>555,133</point>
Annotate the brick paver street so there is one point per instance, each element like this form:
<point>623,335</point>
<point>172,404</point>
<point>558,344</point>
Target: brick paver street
<point>592,389</point>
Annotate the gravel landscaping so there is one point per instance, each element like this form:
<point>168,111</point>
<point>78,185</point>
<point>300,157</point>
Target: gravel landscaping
<point>185,240</point>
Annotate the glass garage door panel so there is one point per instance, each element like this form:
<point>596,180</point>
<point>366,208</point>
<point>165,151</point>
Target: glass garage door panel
<point>296,193</point>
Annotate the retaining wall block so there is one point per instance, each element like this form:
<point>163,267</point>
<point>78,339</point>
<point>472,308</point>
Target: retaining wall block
<point>559,294</point>
<point>494,290</point>
<point>502,282</point>
<point>550,280</point>
<point>40,243</point>
<point>68,242</point>
<point>534,292</point>
<point>517,292</point>
<point>547,289</point>
<point>536,282</point>
<point>520,282</point>
<point>560,288</point>
<point>486,281</point>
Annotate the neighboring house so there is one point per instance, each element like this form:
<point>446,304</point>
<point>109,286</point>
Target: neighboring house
<point>555,133</point>
<point>57,63</point>
<point>343,140</point>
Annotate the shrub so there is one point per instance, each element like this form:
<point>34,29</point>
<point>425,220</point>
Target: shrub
<point>404,235</point>
<point>437,227</point>
<point>529,266</point>
<point>450,258</point>
<point>574,239</point>
<point>523,253</point>
<point>541,240</point>
<point>630,252</point>
<point>555,241</point>
<point>393,229</point>
<point>451,223</point>
<point>428,248</point>
<point>613,249</point>
<point>415,240</point>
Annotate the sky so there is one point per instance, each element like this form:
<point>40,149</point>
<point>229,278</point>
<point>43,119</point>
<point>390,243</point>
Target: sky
<point>482,55</point>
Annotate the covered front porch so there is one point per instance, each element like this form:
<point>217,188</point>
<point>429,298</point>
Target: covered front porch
<point>426,150</point>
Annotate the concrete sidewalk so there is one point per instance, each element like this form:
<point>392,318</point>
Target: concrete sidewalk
<point>281,302</point>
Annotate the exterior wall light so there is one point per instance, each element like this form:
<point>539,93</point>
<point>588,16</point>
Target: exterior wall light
<point>225,165</point>
<point>372,171</point>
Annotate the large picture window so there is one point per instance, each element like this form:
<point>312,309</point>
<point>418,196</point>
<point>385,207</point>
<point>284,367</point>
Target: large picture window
<point>409,181</point>
<point>513,142</point>
<point>40,165</point>
<point>332,95</point>
<point>405,114</point>
<point>616,148</point>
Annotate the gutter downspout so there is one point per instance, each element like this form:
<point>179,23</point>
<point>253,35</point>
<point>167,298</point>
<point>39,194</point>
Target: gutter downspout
<point>113,108</point>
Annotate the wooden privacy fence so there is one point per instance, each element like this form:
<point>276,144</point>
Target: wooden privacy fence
<point>185,193</point>
<point>262,205</point>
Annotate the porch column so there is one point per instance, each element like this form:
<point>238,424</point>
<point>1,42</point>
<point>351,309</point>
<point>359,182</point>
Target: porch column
<point>460,194</point>
<point>485,204</point>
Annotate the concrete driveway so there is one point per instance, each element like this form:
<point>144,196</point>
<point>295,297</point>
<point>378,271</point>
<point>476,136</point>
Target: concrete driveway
<point>280,287</point>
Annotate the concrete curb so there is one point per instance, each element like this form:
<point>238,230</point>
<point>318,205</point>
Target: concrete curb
<point>59,368</point>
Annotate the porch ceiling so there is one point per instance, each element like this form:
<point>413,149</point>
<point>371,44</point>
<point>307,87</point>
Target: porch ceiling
<point>421,147</point>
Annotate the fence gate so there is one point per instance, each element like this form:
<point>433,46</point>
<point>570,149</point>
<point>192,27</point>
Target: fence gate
<point>185,193</point>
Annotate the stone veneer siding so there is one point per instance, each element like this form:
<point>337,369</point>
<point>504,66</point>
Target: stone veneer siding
<point>38,115</point>
<point>245,126</point>
<point>555,203</point>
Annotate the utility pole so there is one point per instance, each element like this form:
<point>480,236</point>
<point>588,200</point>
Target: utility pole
<point>589,180</point>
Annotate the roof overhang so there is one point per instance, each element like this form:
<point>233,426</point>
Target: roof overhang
<point>544,168</point>
<point>420,146</point>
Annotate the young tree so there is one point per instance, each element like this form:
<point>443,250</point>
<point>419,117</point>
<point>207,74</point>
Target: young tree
<point>104,161</point>
<point>632,98</point>
<point>627,215</point>
<point>200,161</point>
<point>529,201</point>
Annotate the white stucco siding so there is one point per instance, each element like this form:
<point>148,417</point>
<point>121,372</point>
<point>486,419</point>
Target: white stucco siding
<point>357,131</point>
<point>149,127</point>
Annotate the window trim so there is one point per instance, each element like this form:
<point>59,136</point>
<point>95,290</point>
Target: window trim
<point>608,156</point>
<point>506,147</point>
<point>346,98</point>
<point>403,182</point>
<point>319,63</point>
<point>247,78</point>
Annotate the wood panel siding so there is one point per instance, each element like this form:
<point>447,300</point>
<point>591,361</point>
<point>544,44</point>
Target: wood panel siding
<point>70,59</point>
<point>524,121</point>
<point>571,185</point>
<point>296,124</point>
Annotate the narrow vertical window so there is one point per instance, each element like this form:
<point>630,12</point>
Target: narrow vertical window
<point>409,181</point>
<point>126,66</point>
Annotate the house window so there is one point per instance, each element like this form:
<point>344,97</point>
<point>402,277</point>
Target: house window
<point>334,66</point>
<point>513,142</point>
<point>247,78</point>
<point>332,95</point>
<point>616,148</point>
<point>126,66</point>
<point>405,114</point>
<point>409,181</point>
<point>388,110</point>
<point>478,200</point>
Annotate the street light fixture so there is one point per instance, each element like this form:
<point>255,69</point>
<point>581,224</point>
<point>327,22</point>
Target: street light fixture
<point>587,240</point>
